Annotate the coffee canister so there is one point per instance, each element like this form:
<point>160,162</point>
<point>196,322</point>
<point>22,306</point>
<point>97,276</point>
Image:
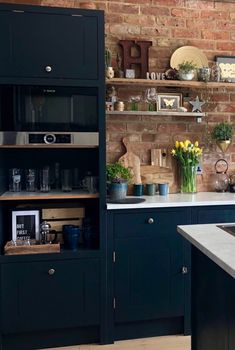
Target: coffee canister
<point>119,106</point>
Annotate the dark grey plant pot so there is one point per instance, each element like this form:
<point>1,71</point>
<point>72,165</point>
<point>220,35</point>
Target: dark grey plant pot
<point>118,191</point>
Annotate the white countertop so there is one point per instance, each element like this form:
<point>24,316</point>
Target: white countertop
<point>214,242</point>
<point>179,200</point>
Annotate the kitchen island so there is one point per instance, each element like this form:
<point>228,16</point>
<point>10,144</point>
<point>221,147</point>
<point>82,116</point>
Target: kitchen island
<point>213,286</point>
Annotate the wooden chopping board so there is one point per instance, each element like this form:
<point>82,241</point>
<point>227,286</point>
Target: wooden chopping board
<point>156,174</point>
<point>131,160</point>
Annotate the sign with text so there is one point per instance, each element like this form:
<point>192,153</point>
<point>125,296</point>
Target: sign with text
<point>25,225</point>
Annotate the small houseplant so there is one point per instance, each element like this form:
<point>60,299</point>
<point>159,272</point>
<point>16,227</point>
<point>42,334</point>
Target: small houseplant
<point>108,61</point>
<point>186,70</point>
<point>223,133</point>
<point>118,177</point>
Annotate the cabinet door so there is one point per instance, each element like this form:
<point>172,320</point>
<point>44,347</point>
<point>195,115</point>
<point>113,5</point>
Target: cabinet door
<point>34,299</point>
<point>149,283</point>
<point>49,45</point>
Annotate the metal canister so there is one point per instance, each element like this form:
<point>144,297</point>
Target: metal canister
<point>119,106</point>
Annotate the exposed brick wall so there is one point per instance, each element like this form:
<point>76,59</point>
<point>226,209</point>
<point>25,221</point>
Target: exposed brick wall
<point>169,24</point>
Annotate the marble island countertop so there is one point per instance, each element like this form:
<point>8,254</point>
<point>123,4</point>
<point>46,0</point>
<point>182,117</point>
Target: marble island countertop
<point>179,200</point>
<point>214,242</point>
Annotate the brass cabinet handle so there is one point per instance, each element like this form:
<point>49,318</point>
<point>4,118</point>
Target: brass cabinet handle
<point>150,221</point>
<point>184,270</point>
<point>48,69</point>
<point>51,272</point>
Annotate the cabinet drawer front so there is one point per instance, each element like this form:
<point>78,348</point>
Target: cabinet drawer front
<point>145,223</point>
<point>50,295</point>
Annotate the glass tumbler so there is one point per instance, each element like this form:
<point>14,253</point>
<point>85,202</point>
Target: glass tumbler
<point>45,179</point>
<point>30,176</point>
<point>15,180</point>
<point>66,180</point>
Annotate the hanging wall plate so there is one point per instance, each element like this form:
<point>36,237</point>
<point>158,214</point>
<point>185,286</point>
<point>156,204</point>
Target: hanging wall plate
<point>188,53</point>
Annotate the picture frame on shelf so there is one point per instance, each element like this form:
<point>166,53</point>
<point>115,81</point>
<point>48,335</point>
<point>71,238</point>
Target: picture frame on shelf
<point>169,101</point>
<point>227,67</point>
<point>25,225</point>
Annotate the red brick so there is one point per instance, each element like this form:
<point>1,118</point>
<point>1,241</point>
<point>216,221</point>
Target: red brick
<point>171,128</point>
<point>121,127</point>
<point>62,3</point>
<point>200,4</point>
<point>185,33</point>
<point>171,22</point>
<point>225,46</point>
<point>124,8</point>
<point>212,15</point>
<point>140,20</point>
<point>200,23</point>
<point>168,2</point>
<point>179,12</point>
<point>155,11</point>
<point>141,127</point>
<point>219,35</point>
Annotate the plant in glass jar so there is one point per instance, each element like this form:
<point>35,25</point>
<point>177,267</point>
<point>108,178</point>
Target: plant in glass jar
<point>188,155</point>
<point>118,177</point>
<point>222,133</point>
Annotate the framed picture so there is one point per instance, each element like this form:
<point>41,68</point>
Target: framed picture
<point>25,225</point>
<point>227,66</point>
<point>169,102</point>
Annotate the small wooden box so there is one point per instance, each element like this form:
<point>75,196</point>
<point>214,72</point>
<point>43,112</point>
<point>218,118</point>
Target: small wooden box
<point>57,217</point>
<point>10,249</point>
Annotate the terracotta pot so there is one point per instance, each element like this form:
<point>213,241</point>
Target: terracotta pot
<point>87,5</point>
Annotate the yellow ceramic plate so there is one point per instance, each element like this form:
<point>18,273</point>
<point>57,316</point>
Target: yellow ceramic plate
<point>188,53</point>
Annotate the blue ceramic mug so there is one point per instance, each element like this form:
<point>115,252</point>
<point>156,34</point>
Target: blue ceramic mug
<point>71,236</point>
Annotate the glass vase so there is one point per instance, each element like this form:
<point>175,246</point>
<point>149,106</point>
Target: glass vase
<point>188,175</point>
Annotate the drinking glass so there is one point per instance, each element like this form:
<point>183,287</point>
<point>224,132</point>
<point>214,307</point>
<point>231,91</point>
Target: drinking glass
<point>30,176</point>
<point>15,180</point>
<point>66,180</point>
<point>45,179</point>
<point>151,99</point>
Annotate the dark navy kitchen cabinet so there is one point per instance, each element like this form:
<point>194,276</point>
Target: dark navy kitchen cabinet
<point>150,271</point>
<point>52,300</point>
<point>49,43</point>
<point>213,214</point>
<point>50,295</point>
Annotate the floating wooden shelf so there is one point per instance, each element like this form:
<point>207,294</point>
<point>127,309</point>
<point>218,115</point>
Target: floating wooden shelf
<point>169,83</point>
<point>27,196</point>
<point>160,113</point>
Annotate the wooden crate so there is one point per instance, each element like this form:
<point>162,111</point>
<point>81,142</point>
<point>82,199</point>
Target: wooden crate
<point>10,249</point>
<point>57,217</point>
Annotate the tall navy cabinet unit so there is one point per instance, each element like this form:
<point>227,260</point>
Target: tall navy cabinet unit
<point>64,48</point>
<point>150,272</point>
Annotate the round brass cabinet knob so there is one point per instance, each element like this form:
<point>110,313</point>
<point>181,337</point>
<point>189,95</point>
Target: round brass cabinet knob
<point>48,69</point>
<point>184,270</point>
<point>51,272</point>
<point>150,221</point>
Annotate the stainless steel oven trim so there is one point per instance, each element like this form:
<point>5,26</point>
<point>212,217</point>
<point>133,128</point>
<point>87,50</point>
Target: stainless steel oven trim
<point>80,139</point>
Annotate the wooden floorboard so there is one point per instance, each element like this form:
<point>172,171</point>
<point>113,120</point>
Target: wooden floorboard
<point>157,343</point>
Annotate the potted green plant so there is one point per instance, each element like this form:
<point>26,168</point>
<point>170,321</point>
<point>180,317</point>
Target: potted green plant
<point>108,64</point>
<point>223,133</point>
<point>118,177</point>
<point>186,70</point>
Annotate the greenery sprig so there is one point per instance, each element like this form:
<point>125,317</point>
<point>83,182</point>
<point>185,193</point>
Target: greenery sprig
<point>117,173</point>
<point>222,131</point>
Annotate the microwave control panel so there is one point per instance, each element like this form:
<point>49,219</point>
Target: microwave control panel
<point>49,138</point>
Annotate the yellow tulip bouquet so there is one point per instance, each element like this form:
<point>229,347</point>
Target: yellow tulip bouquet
<point>188,155</point>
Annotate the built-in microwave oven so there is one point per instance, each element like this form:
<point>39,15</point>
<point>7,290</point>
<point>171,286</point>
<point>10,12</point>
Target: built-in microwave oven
<point>48,114</point>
